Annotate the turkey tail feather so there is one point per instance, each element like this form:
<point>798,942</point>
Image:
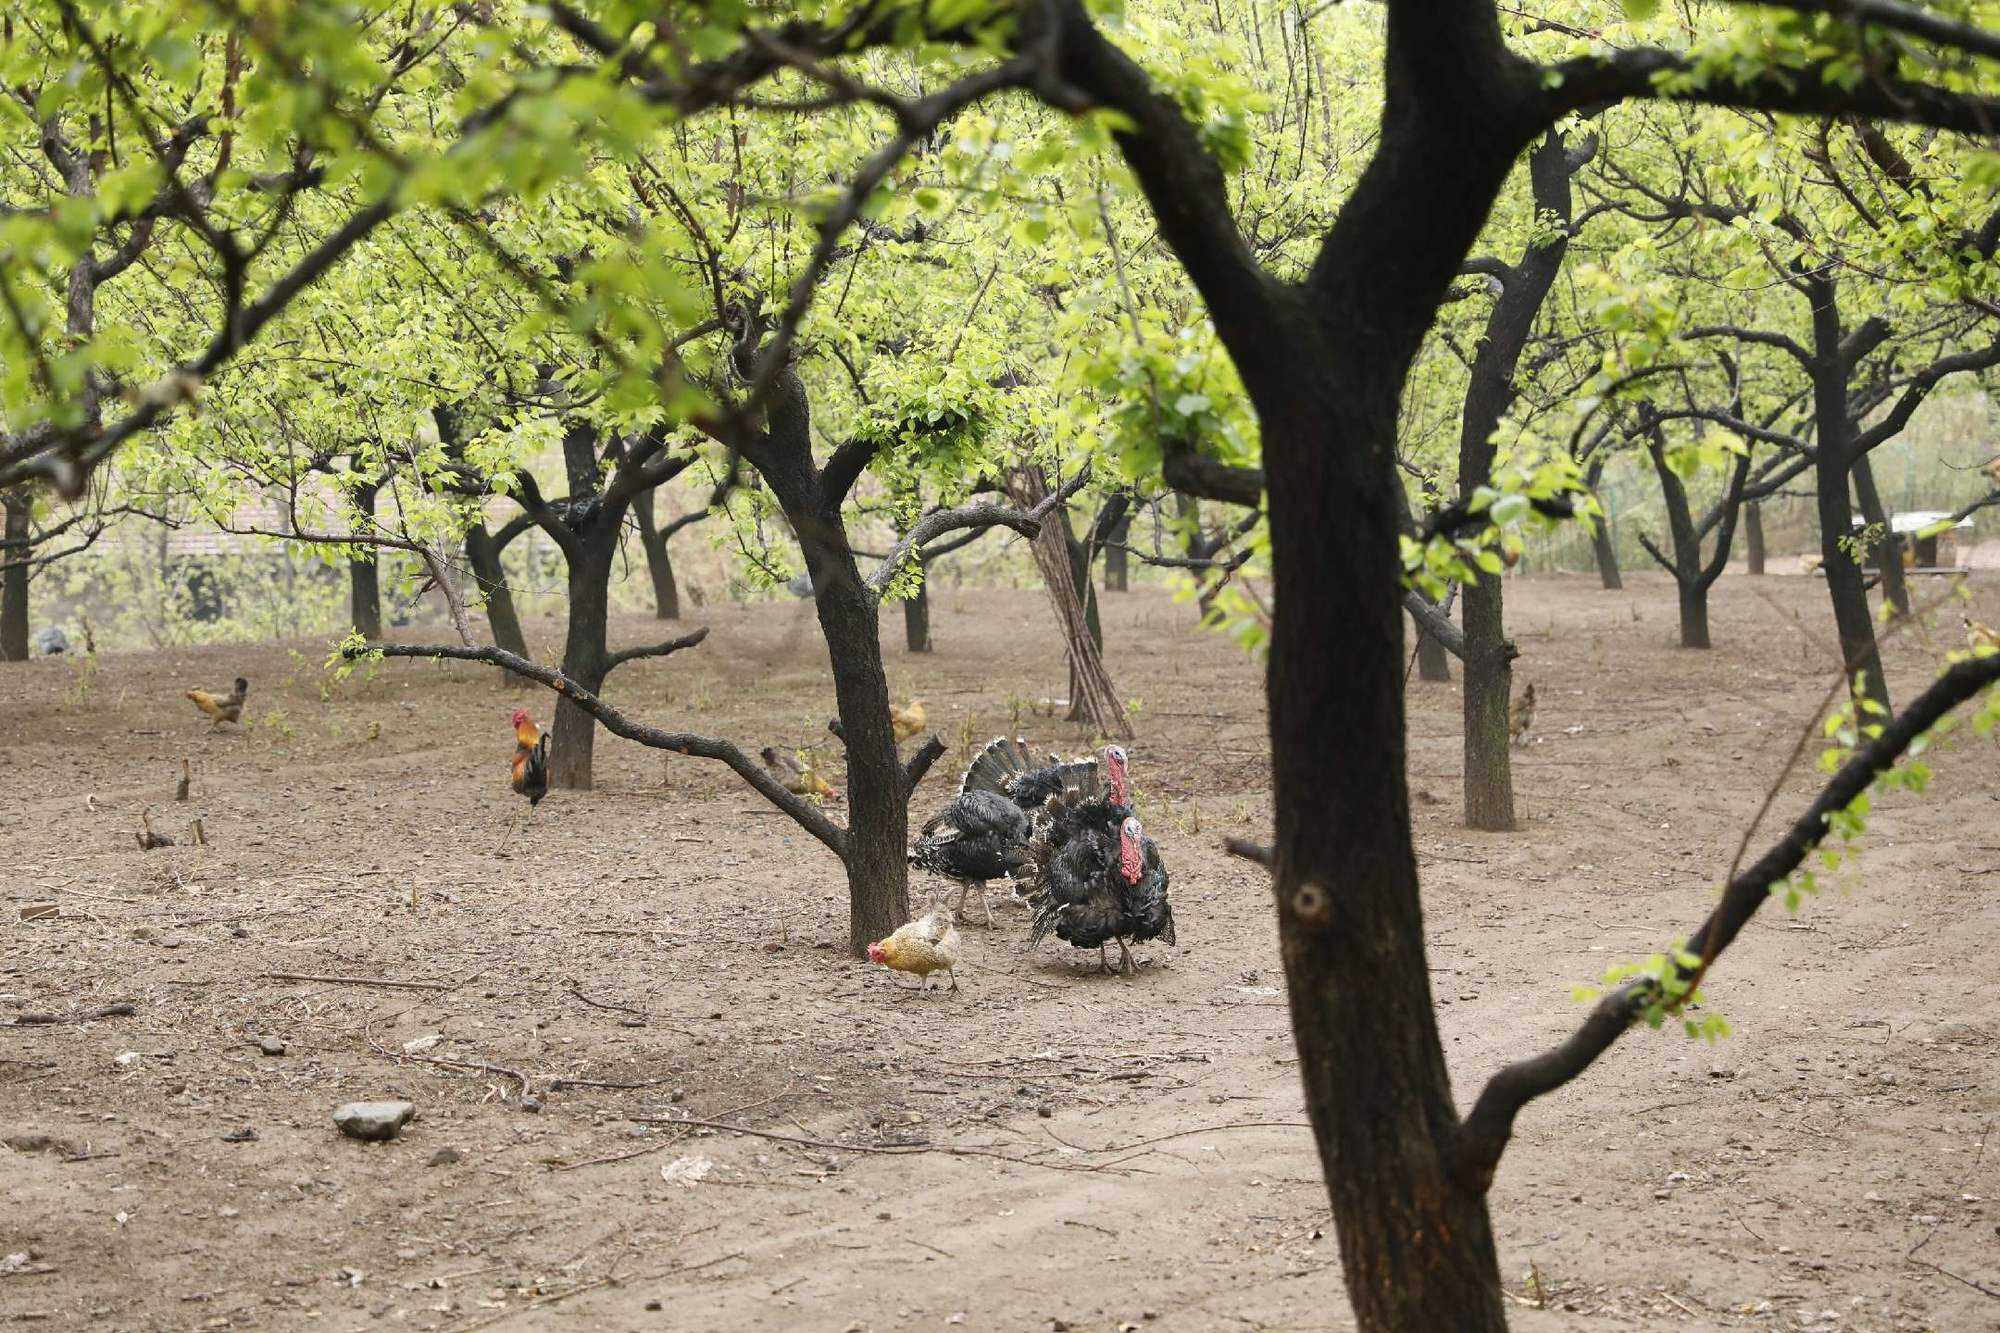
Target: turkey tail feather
<point>990,768</point>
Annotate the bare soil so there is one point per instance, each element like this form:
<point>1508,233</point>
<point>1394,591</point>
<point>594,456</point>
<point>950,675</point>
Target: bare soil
<point>1046,1147</point>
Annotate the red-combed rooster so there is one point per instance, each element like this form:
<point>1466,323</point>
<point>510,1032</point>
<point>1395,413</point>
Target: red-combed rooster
<point>531,759</point>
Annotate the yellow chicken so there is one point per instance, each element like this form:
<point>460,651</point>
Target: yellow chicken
<point>221,708</point>
<point>795,774</point>
<point>928,944</point>
<point>1522,715</point>
<point>1978,636</point>
<point>908,720</point>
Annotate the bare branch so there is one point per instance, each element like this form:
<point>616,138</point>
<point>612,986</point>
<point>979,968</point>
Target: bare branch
<point>1483,1136</point>
<point>666,649</point>
<point>807,816</point>
<point>983,515</point>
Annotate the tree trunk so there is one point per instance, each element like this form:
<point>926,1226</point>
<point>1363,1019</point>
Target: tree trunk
<point>1753,537</point>
<point>1416,1244</point>
<point>1489,692</point>
<point>1606,552</point>
<point>1845,584</point>
<point>364,577</point>
<point>1895,588</point>
<point>666,593</point>
<point>878,888</point>
<point>482,555</point>
<point>1116,564</point>
<point>917,617</point>
<point>573,739</point>
<point>14,578</point>
<point>1433,662</point>
<point>1694,614</point>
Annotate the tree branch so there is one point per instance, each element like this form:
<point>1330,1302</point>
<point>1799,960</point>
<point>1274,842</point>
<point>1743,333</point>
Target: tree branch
<point>984,515</point>
<point>1483,1136</point>
<point>807,816</point>
<point>666,649</point>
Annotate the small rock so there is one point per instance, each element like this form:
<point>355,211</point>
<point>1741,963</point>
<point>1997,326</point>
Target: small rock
<point>39,911</point>
<point>1045,1111</point>
<point>372,1122</point>
<point>654,1305</point>
<point>772,946</point>
<point>531,1104</point>
<point>127,1059</point>
<point>678,1094</point>
<point>1720,1072</point>
<point>242,1135</point>
<point>270,1046</point>
<point>447,1157</point>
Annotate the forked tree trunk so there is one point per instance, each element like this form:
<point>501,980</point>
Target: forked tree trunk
<point>1753,537</point>
<point>1090,685</point>
<point>878,888</point>
<point>14,578</point>
<point>659,562</point>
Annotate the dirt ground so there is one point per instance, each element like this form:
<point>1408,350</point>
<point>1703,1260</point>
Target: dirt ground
<point>1103,1153</point>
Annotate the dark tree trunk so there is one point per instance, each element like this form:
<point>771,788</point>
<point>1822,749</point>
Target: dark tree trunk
<point>849,617</point>
<point>666,593</point>
<point>1753,537</point>
<point>364,577</point>
<point>1433,662</point>
<point>917,618</point>
<point>1694,614</point>
<point>1889,548</point>
<point>1489,676</point>
<point>573,739</point>
<point>14,578</point>
<point>482,556</point>
<point>1116,568</point>
<point>1489,691</point>
<point>1845,583</point>
<point>1606,552</point>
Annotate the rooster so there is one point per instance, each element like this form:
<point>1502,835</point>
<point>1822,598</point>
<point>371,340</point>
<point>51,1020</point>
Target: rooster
<point>794,774</point>
<point>909,720</point>
<point>1521,715</point>
<point>221,708</point>
<point>1096,887</point>
<point>928,944</point>
<point>531,759</point>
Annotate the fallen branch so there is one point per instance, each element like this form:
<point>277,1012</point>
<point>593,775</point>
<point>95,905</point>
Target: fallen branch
<point>120,1010</point>
<point>360,981</point>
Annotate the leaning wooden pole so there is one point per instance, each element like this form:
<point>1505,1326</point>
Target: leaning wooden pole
<point>1090,683</point>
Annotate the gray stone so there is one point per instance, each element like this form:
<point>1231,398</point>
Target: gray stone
<point>373,1122</point>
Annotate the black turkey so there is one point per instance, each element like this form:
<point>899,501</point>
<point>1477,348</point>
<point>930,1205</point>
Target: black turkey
<point>1005,766</point>
<point>1098,885</point>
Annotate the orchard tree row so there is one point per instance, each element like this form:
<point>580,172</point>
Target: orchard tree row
<point>1346,302</point>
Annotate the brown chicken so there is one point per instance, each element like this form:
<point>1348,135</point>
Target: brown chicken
<point>1521,715</point>
<point>928,944</point>
<point>908,720</point>
<point>221,708</point>
<point>795,774</point>
<point>1978,636</point>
